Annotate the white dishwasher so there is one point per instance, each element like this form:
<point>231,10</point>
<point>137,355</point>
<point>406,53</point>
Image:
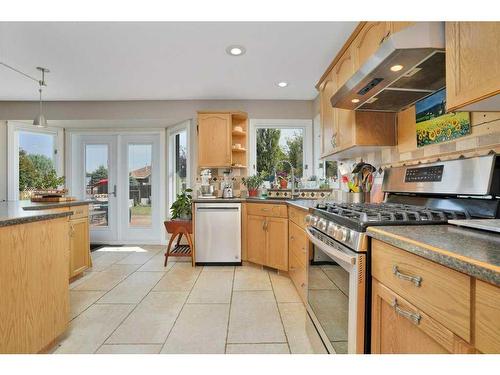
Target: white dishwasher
<point>217,233</point>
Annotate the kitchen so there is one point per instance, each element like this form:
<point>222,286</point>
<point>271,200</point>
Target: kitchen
<point>357,216</point>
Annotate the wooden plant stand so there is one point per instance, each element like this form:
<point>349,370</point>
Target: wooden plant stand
<point>177,229</point>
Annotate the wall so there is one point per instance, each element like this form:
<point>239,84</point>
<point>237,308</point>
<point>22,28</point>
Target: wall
<point>3,160</point>
<point>165,113</point>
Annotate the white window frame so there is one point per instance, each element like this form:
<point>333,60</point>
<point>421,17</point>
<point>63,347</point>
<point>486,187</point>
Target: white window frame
<point>305,125</point>
<point>171,132</point>
<point>13,129</point>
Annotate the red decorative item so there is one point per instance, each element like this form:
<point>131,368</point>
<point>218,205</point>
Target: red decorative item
<point>283,183</point>
<point>252,192</point>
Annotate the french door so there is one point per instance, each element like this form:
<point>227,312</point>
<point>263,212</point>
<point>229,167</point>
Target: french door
<point>121,175</point>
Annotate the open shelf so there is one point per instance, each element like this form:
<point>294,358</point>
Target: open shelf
<point>239,133</point>
<point>239,149</point>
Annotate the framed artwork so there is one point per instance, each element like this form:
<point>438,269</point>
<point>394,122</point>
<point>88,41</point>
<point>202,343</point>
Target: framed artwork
<point>434,125</point>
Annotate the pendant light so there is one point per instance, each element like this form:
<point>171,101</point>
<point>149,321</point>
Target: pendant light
<point>40,120</point>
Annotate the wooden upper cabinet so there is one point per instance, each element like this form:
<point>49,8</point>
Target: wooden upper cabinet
<point>214,139</point>
<point>472,62</point>
<point>368,40</point>
<point>328,115</point>
<point>344,70</point>
<point>394,27</point>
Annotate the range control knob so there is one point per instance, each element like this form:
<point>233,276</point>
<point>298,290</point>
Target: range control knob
<point>331,229</point>
<point>322,224</point>
<point>311,220</point>
<point>345,234</point>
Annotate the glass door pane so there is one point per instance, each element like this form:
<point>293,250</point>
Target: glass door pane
<point>180,161</point>
<point>97,183</point>
<point>139,186</point>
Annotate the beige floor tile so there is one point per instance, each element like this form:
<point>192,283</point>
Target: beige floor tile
<point>199,329</point>
<point>80,300</point>
<point>255,318</point>
<point>212,287</point>
<point>84,277</point>
<point>283,287</point>
<point>140,255</point>
<point>151,321</point>
<point>181,277</point>
<point>218,269</point>
<point>130,349</point>
<point>251,278</point>
<point>108,279</point>
<point>257,349</point>
<point>102,262</point>
<point>133,288</point>
<point>317,279</point>
<point>301,334</point>
<point>89,330</point>
<point>155,264</point>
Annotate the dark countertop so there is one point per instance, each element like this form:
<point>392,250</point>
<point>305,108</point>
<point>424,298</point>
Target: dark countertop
<point>471,251</point>
<point>34,206</point>
<point>304,204</point>
<point>13,213</point>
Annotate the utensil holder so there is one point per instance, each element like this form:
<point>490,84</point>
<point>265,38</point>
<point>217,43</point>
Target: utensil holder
<point>350,197</point>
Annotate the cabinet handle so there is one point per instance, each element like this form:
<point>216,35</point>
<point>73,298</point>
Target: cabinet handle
<point>292,238</point>
<point>385,37</point>
<point>71,230</point>
<point>417,280</point>
<point>265,225</point>
<point>334,141</point>
<point>302,285</point>
<point>413,317</point>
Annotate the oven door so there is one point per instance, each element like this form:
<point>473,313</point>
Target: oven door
<point>336,294</point>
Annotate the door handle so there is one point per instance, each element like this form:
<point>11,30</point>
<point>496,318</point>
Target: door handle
<point>114,191</point>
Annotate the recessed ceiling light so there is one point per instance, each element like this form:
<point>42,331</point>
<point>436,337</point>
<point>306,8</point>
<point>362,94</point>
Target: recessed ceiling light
<point>235,50</point>
<point>396,68</point>
<point>355,100</point>
<point>283,84</point>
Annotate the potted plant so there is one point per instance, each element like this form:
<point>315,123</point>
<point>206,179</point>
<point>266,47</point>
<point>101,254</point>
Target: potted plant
<point>253,183</point>
<point>181,208</point>
<point>283,179</point>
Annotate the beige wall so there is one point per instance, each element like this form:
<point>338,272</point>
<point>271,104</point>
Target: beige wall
<point>156,113</point>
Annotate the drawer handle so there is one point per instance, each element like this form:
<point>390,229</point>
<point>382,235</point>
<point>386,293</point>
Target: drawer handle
<point>292,238</point>
<point>417,280</point>
<point>413,317</point>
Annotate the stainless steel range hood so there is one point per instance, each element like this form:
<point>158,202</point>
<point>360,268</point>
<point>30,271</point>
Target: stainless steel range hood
<point>378,85</point>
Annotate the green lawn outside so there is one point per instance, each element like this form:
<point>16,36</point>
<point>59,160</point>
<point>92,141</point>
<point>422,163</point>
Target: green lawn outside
<point>141,210</point>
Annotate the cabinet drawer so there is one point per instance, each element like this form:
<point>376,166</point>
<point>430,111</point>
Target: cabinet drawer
<point>442,293</point>
<point>399,327</point>
<point>298,273</point>
<point>487,317</point>
<point>298,216</point>
<point>267,209</point>
<point>79,211</point>
<point>298,242</point>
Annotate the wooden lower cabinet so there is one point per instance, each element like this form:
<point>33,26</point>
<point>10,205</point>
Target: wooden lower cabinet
<point>298,248</point>
<point>487,317</point>
<point>267,241</point>
<point>79,255</point>
<point>399,327</point>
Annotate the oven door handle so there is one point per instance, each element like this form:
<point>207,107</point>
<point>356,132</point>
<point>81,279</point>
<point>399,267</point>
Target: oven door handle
<point>333,252</point>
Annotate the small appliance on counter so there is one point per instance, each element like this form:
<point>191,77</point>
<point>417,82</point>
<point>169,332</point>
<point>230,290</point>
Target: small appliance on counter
<point>227,186</point>
<point>206,188</point>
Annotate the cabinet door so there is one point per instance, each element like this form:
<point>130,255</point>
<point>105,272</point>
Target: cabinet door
<point>398,327</point>
<point>344,69</point>
<point>399,25</point>
<point>368,41</point>
<point>256,239</point>
<point>472,62</point>
<point>277,243</point>
<point>79,246</point>
<point>214,140</point>
<point>328,113</point>
<point>487,317</point>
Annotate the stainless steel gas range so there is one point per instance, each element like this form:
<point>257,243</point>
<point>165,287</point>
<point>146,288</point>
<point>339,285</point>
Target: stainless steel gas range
<point>339,270</point>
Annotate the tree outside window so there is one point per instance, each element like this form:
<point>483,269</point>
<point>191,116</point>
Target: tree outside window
<point>274,145</point>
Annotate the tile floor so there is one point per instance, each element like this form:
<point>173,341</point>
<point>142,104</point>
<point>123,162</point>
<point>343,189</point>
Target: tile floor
<point>129,303</point>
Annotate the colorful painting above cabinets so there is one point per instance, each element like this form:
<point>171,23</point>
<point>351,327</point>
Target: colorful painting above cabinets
<point>434,125</point>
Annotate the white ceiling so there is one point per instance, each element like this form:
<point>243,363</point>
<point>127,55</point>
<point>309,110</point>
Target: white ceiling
<point>168,60</point>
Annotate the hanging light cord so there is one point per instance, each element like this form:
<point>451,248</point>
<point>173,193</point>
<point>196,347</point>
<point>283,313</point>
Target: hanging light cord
<point>40,82</point>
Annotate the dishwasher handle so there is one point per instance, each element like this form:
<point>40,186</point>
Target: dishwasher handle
<point>217,209</point>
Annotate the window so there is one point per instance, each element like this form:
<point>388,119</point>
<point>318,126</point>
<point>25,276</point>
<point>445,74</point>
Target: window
<point>178,169</point>
<point>33,159</point>
<point>275,140</point>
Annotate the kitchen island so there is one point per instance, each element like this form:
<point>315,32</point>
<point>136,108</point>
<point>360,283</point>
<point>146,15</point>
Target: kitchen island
<point>34,256</point>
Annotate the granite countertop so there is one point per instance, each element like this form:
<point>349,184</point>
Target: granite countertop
<point>471,251</point>
<point>13,213</point>
<point>34,206</point>
<point>304,204</point>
